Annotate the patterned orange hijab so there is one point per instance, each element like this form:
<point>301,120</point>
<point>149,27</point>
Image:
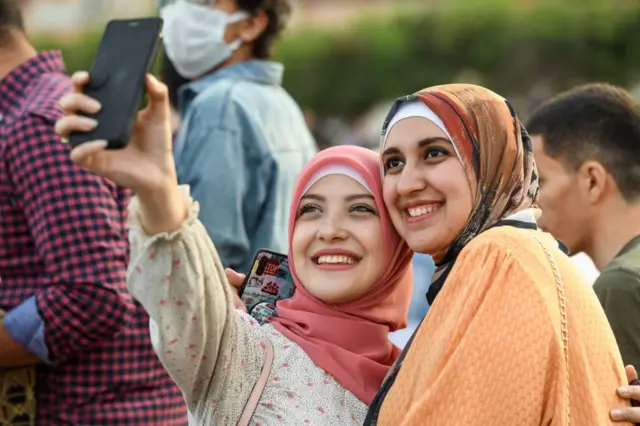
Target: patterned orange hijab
<point>495,151</point>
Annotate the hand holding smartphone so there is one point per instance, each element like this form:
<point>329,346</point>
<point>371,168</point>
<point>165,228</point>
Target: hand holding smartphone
<point>125,55</point>
<point>269,281</point>
<point>110,95</point>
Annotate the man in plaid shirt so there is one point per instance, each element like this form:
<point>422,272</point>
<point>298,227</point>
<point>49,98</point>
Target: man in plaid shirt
<point>63,259</point>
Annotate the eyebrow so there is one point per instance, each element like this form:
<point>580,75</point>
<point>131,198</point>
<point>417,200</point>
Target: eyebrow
<point>352,197</point>
<point>421,144</point>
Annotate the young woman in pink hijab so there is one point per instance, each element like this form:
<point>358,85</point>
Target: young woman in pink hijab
<point>327,352</point>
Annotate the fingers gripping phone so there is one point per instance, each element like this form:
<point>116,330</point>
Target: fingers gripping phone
<point>269,281</point>
<point>125,55</point>
<point>635,403</point>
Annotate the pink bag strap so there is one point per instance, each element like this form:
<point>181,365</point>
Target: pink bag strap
<point>256,393</point>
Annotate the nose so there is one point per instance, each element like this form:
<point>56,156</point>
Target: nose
<point>332,228</point>
<point>411,180</point>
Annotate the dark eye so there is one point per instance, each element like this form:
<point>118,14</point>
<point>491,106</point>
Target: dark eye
<point>434,152</point>
<point>392,163</point>
<point>308,208</point>
<point>363,208</point>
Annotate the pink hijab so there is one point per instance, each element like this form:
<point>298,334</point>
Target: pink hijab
<point>350,341</point>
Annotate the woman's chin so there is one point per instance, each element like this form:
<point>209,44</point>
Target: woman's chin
<point>426,244</point>
<point>333,299</point>
<point>340,295</point>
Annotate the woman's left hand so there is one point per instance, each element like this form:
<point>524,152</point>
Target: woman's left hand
<point>631,392</point>
<point>236,280</point>
<point>145,165</point>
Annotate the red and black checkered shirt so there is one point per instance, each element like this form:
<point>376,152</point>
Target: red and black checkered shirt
<point>63,259</point>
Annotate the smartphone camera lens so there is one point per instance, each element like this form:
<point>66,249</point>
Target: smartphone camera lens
<point>262,264</point>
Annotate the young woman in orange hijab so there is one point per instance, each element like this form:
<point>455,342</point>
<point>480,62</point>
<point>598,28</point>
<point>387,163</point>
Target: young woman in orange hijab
<point>514,334</point>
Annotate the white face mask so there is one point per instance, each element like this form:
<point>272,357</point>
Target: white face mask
<point>194,37</point>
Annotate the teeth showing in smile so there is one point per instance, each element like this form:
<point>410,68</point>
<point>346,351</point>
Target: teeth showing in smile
<point>421,211</point>
<point>339,259</point>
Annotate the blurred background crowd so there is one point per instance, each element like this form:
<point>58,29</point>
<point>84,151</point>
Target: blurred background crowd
<point>346,60</point>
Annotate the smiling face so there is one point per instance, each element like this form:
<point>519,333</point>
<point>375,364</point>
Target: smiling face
<point>425,186</point>
<point>337,243</point>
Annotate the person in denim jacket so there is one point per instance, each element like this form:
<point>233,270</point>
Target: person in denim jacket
<point>242,139</point>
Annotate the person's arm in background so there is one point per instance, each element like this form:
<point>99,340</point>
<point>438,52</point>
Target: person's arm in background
<point>619,295</point>
<point>11,353</point>
<point>223,177</point>
<point>79,235</point>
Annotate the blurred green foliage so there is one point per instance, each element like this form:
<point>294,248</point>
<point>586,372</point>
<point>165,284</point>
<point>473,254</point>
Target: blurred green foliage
<point>510,47</point>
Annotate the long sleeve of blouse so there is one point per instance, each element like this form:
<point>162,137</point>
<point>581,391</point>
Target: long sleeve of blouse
<point>213,352</point>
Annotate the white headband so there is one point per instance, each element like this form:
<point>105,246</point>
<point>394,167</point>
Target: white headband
<point>337,169</point>
<point>417,109</point>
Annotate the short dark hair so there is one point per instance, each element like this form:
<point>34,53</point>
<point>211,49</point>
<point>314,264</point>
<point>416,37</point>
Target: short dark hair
<point>11,15</point>
<point>278,12</point>
<point>594,121</point>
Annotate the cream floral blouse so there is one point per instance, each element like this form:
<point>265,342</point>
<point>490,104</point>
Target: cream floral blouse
<point>214,352</point>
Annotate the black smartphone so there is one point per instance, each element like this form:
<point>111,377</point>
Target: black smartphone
<point>268,281</point>
<point>125,55</point>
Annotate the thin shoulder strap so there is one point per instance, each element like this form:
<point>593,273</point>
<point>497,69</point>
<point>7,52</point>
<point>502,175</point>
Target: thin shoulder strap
<point>256,393</point>
<point>564,326</point>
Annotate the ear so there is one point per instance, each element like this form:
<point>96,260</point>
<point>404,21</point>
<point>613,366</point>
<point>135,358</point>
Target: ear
<point>593,180</point>
<point>254,26</point>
